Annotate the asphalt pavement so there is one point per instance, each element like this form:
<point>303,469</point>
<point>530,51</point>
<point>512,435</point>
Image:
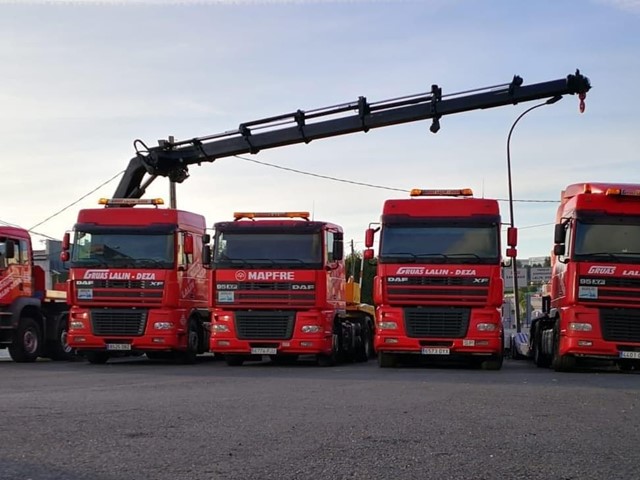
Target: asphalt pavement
<point>137,419</point>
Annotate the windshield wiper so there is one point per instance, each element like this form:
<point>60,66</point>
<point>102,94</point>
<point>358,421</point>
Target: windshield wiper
<point>598,254</point>
<point>90,262</point>
<point>442,255</point>
<point>153,261</point>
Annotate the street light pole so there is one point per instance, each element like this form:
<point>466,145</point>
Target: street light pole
<point>512,223</point>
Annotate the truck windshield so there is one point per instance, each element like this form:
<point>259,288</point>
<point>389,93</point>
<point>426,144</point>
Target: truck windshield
<point>439,244</point>
<point>123,250</point>
<point>608,239</point>
<point>261,249</point>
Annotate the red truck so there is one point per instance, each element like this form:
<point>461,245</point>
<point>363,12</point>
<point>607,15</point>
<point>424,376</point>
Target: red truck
<point>438,288</point>
<point>33,320</point>
<point>278,289</point>
<point>136,282</point>
<point>593,310</point>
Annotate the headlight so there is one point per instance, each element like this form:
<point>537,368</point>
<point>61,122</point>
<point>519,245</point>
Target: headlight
<point>76,325</point>
<point>387,325</point>
<point>487,327</point>
<point>311,328</point>
<point>580,327</point>
<point>217,327</point>
<point>163,325</point>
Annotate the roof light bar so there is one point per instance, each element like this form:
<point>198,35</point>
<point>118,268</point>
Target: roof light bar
<point>623,192</point>
<point>252,215</point>
<point>460,192</point>
<point>131,201</point>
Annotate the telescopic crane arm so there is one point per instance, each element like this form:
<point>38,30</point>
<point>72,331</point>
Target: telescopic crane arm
<point>172,158</point>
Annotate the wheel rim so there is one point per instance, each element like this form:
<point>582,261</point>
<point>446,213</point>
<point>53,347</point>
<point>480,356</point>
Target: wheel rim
<point>30,341</point>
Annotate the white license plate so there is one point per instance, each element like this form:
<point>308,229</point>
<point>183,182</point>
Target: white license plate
<point>118,346</point>
<point>635,355</point>
<point>264,351</point>
<point>435,351</point>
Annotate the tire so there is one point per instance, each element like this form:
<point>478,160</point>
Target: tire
<point>540,359</point>
<point>59,349</point>
<point>365,346</point>
<point>386,360</point>
<point>234,360</point>
<point>194,337</point>
<point>27,341</point>
<point>331,359</point>
<point>97,358</point>
<point>561,363</point>
<point>493,363</point>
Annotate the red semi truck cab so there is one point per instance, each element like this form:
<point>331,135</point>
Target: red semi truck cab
<point>136,282</point>
<point>278,289</point>
<point>439,289</point>
<point>595,285</point>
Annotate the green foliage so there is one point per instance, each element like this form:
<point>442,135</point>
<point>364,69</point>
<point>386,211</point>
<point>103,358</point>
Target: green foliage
<point>353,267</point>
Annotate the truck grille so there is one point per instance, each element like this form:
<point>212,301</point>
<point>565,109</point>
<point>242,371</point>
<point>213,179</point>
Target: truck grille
<point>273,294</point>
<point>436,322</point>
<point>125,321</point>
<point>463,291</point>
<point>128,292</point>
<point>264,325</point>
<point>620,324</point>
<point>608,292</point>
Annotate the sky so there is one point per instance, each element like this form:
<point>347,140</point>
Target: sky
<point>81,80</point>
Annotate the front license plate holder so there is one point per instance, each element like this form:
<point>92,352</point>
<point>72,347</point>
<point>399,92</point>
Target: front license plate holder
<point>119,347</point>
<point>264,351</point>
<point>435,351</point>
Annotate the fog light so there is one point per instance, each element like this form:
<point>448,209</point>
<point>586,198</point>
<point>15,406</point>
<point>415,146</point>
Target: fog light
<point>163,325</point>
<point>387,325</point>
<point>482,343</point>
<point>157,340</point>
<point>223,343</point>
<point>76,325</point>
<point>311,328</point>
<point>217,327</point>
<point>468,343</point>
<point>580,327</point>
<point>306,344</point>
<point>585,343</point>
<point>390,340</point>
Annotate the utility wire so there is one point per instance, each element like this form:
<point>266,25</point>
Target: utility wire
<point>78,200</point>
<point>335,179</point>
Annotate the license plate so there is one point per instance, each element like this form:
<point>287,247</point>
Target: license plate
<point>118,346</point>
<point>635,355</point>
<point>435,351</point>
<point>264,351</point>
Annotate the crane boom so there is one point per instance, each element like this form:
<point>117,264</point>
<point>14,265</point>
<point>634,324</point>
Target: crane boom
<point>172,158</point>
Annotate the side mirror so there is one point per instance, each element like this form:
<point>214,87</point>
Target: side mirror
<point>512,252</point>
<point>66,241</point>
<point>368,254</point>
<point>559,249</point>
<point>560,233</point>
<point>9,249</point>
<point>206,238</point>
<point>512,237</point>
<point>206,255</point>
<point>188,244</point>
<point>64,256</point>
<point>338,247</point>
<point>368,237</point>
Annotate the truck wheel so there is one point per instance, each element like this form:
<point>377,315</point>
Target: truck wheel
<point>493,363</point>
<point>190,355</point>
<point>59,349</point>
<point>539,358</point>
<point>364,351</point>
<point>331,359</point>
<point>386,360</point>
<point>97,358</point>
<point>561,363</point>
<point>234,360</point>
<point>27,341</point>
